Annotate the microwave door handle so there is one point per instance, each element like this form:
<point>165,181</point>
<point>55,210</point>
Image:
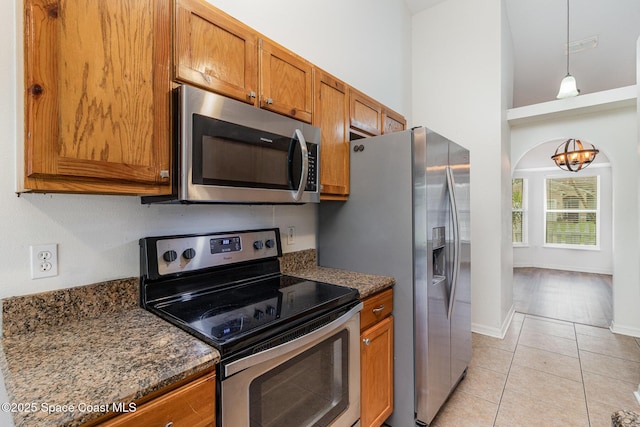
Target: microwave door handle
<point>297,195</point>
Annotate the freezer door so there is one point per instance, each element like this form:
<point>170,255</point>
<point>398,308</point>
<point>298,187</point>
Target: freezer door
<point>460,311</point>
<point>432,333</point>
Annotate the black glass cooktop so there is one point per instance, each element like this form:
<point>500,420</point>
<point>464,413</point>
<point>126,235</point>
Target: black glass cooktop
<point>233,313</point>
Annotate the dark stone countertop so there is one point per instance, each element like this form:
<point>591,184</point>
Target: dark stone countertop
<point>303,264</point>
<point>114,352</point>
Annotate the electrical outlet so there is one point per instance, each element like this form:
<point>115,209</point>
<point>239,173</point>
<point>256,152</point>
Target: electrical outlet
<point>291,235</point>
<point>44,261</point>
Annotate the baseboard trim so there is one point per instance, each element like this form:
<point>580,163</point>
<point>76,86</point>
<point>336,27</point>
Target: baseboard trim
<point>495,332</point>
<point>584,269</point>
<point>624,330</point>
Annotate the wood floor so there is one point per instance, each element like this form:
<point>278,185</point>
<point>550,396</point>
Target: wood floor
<point>584,298</point>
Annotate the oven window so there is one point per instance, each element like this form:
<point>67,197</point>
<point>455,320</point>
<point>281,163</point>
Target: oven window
<point>233,155</point>
<point>311,389</point>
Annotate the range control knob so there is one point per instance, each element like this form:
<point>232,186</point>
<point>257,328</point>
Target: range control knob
<point>189,253</point>
<point>258,244</point>
<point>258,314</point>
<point>170,256</point>
<point>270,243</point>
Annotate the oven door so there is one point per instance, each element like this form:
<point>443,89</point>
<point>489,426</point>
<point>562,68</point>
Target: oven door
<point>313,380</point>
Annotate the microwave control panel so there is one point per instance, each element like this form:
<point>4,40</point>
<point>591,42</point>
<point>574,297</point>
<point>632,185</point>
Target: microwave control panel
<point>312,182</point>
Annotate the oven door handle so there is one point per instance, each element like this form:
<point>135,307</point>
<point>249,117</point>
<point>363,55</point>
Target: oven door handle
<point>275,352</point>
<point>297,195</point>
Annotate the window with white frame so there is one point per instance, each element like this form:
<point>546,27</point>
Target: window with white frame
<point>519,211</point>
<point>572,211</point>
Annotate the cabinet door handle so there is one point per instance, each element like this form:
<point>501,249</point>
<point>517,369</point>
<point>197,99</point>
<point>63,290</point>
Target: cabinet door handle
<point>251,94</point>
<point>269,101</point>
<point>366,341</point>
<point>169,424</point>
<point>378,309</point>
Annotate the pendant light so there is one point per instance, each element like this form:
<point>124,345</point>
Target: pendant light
<point>568,86</point>
<point>572,155</point>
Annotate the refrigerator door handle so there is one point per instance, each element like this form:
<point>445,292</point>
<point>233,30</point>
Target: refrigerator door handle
<point>456,240</point>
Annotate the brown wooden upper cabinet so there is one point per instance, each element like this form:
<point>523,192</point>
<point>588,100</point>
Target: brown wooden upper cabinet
<point>218,53</point>
<point>392,121</point>
<point>331,115</point>
<point>285,82</point>
<point>365,114</point>
<point>97,96</point>
<point>214,51</point>
<point>98,106</point>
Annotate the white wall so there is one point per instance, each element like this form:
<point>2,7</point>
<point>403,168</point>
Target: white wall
<point>461,76</point>
<point>615,132</point>
<point>365,43</point>
<point>97,236</point>
<point>535,254</point>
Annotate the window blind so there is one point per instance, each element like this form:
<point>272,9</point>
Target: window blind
<point>572,211</point>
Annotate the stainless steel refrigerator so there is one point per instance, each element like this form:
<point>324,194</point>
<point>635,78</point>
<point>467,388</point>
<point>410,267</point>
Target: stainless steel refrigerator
<point>408,216</point>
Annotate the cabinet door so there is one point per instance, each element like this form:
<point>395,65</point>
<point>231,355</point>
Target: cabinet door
<point>392,121</point>
<point>365,113</point>
<point>285,82</point>
<point>97,101</point>
<point>192,405</point>
<point>214,51</point>
<point>376,373</point>
<point>330,114</point>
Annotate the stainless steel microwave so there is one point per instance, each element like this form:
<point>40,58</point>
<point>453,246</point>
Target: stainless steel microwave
<point>226,151</point>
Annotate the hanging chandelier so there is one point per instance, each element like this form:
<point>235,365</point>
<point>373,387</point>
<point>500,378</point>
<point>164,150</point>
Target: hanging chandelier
<point>568,86</point>
<point>572,155</point>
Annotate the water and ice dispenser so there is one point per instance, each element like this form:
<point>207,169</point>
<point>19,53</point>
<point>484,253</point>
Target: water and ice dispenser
<point>439,260</point>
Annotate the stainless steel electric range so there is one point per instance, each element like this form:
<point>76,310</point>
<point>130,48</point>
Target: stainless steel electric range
<point>289,347</point>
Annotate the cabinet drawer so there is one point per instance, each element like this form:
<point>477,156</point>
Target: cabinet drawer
<point>376,308</point>
<point>192,405</point>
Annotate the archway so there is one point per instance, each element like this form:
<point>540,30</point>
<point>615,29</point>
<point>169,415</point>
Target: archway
<point>563,245</point>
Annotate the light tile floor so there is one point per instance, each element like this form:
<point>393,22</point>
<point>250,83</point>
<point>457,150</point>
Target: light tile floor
<point>546,373</point>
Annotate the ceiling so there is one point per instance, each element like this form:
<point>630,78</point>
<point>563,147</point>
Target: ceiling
<point>539,33</point>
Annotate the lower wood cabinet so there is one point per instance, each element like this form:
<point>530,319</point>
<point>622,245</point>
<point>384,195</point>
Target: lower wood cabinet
<point>376,360</point>
<point>191,405</point>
